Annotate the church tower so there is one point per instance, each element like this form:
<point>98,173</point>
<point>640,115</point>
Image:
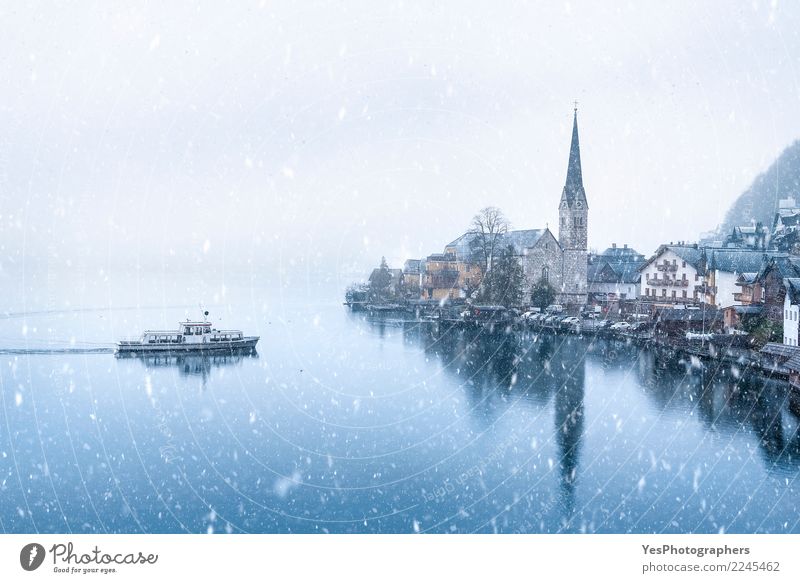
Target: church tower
<point>573,213</point>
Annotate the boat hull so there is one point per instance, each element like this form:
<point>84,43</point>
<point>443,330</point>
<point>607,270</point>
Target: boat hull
<point>247,343</point>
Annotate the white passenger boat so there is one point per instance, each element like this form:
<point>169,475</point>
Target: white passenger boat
<point>189,337</point>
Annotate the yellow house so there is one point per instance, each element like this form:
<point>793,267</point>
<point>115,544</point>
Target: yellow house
<point>445,275</point>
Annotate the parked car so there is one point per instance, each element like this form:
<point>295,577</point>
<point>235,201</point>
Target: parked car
<point>554,309</point>
<point>570,322</point>
<point>621,327</point>
<point>530,316</point>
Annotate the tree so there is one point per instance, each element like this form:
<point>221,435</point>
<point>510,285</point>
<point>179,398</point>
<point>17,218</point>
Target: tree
<point>542,294</point>
<point>506,279</point>
<point>379,282</point>
<point>762,330</point>
<point>486,234</point>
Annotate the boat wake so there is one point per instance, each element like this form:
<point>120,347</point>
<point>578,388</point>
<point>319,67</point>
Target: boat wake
<point>23,351</point>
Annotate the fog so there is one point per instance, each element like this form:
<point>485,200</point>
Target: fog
<point>308,140</point>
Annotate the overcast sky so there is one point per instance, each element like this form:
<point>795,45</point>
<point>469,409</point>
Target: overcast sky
<point>320,136</point>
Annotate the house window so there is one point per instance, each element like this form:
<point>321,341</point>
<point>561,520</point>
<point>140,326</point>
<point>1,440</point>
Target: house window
<point>545,274</point>
<point>696,277</point>
<point>647,291</point>
<point>684,264</point>
<point>674,294</point>
<point>663,293</point>
<point>684,293</point>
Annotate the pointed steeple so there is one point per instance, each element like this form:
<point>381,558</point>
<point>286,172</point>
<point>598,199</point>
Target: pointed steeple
<point>573,188</point>
<point>574,177</point>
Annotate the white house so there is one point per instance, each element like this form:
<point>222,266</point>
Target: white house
<point>693,274</point>
<point>791,310</point>
<point>674,274</point>
<point>724,266</point>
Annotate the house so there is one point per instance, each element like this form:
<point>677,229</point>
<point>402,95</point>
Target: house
<point>754,237</point>
<point>691,274</point>
<point>734,317</point>
<point>614,274</point>
<point>675,274</point>
<point>785,235</point>
<point>723,268</point>
<point>448,275</point>
<point>770,279</point>
<point>750,291</point>
<point>791,310</point>
<point>676,323</point>
<point>412,277</point>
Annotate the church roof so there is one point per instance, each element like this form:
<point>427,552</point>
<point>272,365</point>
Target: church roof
<point>573,187</point>
<point>520,240</point>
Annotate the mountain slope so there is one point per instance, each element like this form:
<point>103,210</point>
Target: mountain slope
<point>760,201</point>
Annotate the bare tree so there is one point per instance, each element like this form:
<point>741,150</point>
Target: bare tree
<point>487,230</point>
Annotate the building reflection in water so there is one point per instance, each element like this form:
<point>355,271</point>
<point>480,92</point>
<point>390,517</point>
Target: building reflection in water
<point>728,399</point>
<point>508,369</point>
<point>535,369</point>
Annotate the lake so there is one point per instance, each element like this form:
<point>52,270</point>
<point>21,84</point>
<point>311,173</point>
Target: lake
<point>343,424</point>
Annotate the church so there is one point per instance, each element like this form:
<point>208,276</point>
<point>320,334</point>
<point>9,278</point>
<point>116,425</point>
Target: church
<point>562,262</point>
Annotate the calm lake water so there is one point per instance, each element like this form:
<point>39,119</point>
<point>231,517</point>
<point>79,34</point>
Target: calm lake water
<point>341,424</point>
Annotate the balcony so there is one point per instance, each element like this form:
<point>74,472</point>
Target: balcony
<point>667,267</point>
<point>664,282</point>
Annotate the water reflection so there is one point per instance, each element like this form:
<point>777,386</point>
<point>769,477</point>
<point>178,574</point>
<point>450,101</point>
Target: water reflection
<point>193,365</point>
<point>535,369</point>
<point>538,369</point>
<point>729,400</point>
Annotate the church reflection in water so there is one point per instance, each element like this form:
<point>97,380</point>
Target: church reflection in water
<point>502,369</point>
<point>198,365</point>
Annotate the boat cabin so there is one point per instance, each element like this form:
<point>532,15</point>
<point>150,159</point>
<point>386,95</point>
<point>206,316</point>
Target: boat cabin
<point>191,333</point>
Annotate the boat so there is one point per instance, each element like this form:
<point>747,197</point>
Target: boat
<point>191,336</point>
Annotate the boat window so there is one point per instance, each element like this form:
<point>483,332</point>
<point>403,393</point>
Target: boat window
<point>187,330</point>
<point>207,330</point>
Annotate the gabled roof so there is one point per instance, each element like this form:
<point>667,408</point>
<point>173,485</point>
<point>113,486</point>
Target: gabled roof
<point>792,285</point>
<point>520,240</point>
<point>621,254</point>
<point>691,254</point>
<point>747,277</point>
<point>785,264</point>
<point>608,272</point>
<point>412,265</point>
<point>735,260</point>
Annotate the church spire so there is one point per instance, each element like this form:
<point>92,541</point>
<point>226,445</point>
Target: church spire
<point>573,187</point>
<point>574,177</point>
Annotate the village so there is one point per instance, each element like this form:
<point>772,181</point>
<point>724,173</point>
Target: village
<point>734,297</point>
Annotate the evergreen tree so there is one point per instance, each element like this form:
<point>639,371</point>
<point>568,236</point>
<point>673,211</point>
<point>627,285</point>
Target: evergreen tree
<point>542,294</point>
<point>506,279</point>
<point>379,282</point>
